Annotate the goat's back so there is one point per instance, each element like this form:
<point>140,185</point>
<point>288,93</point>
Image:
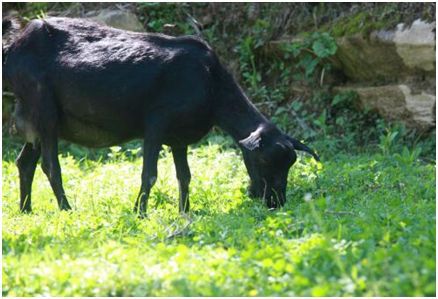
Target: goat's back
<point>113,80</point>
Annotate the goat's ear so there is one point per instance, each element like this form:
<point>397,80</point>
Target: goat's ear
<point>252,141</point>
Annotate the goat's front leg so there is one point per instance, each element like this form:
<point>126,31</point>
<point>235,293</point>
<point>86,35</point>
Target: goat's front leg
<point>26,163</point>
<point>183,176</point>
<point>52,169</point>
<point>151,150</point>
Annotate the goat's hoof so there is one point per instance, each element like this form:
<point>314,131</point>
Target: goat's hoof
<point>26,210</point>
<point>142,215</point>
<point>65,207</point>
<point>183,212</point>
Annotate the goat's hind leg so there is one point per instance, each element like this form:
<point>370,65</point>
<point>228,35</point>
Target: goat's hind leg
<point>52,169</point>
<point>183,176</point>
<point>26,163</point>
<point>151,150</point>
<point>47,126</point>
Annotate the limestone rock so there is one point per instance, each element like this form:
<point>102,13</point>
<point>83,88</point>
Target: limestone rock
<point>119,19</point>
<point>372,60</point>
<point>398,102</point>
<point>416,45</point>
<point>389,55</point>
<point>396,69</point>
<point>421,106</point>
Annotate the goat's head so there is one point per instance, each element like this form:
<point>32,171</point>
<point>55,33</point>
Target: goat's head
<point>268,155</point>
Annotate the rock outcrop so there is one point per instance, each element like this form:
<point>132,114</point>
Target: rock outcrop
<point>393,72</point>
<point>397,103</point>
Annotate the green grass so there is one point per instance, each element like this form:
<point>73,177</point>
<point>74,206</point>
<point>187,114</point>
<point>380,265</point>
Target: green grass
<point>367,228</point>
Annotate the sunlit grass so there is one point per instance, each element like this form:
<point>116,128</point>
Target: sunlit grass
<point>368,229</point>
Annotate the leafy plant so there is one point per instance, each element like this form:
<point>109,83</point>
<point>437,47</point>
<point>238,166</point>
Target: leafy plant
<point>407,157</point>
<point>387,141</point>
<point>312,51</point>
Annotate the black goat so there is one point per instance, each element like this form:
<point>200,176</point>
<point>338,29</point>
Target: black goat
<point>99,86</point>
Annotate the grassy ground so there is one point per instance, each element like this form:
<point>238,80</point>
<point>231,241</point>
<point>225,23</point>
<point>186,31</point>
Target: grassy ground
<point>361,224</point>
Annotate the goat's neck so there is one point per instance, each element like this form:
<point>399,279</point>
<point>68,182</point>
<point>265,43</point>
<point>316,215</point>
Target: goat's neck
<point>238,116</point>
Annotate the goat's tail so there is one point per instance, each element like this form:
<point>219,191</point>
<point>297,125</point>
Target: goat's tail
<point>11,26</point>
<point>302,147</point>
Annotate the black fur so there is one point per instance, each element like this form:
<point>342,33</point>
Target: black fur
<point>99,86</point>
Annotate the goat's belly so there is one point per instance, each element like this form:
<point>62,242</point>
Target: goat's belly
<point>91,135</point>
<point>180,135</point>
